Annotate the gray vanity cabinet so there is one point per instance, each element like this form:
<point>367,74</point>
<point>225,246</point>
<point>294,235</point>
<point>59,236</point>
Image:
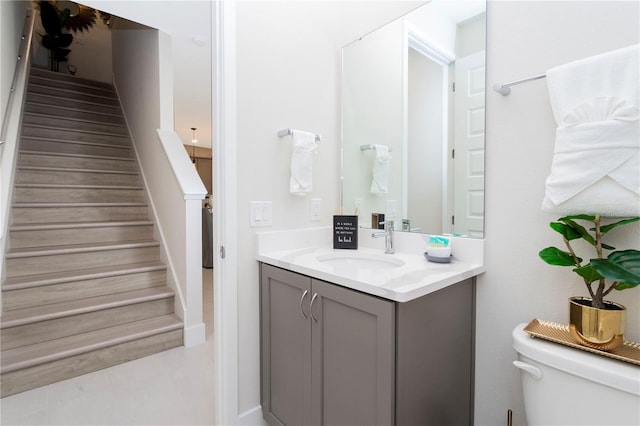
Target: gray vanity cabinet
<point>335,356</point>
<point>330,362</point>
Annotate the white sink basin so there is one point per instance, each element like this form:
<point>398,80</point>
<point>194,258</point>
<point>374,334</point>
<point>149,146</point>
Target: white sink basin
<point>360,261</point>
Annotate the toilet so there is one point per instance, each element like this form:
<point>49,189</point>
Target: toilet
<point>567,386</point>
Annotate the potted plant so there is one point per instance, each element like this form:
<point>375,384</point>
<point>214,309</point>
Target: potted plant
<point>55,40</point>
<point>593,321</point>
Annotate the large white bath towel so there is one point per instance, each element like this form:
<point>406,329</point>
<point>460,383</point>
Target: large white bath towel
<point>304,148</point>
<point>380,171</point>
<point>596,162</point>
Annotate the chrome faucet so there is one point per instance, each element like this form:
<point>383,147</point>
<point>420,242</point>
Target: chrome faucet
<point>388,236</point>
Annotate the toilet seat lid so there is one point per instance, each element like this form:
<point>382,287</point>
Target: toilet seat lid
<point>607,371</point>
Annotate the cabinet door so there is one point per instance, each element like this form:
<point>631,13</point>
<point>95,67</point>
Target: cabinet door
<point>285,347</point>
<point>352,357</point>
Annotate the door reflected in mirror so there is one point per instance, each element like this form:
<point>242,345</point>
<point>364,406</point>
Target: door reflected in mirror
<point>413,121</point>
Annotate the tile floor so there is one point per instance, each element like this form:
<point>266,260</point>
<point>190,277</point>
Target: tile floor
<point>174,387</point>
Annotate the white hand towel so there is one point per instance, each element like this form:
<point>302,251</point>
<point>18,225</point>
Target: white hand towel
<point>304,148</point>
<point>380,171</point>
<point>596,162</point>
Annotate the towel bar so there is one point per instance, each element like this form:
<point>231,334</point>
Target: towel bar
<point>370,146</point>
<point>505,88</point>
<point>289,132</point>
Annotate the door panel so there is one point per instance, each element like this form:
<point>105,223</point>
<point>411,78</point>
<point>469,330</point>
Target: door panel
<point>352,357</point>
<point>286,345</point>
<point>469,145</point>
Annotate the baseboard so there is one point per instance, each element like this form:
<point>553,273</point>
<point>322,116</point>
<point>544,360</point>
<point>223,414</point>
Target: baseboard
<point>252,417</point>
<point>194,335</point>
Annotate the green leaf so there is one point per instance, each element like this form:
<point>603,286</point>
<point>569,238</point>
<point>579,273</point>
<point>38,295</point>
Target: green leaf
<point>568,232</point>
<point>588,273</point>
<point>557,257</point>
<point>622,266</point>
<point>607,228</point>
<point>624,286</point>
<point>580,229</point>
<point>588,217</point>
<point>607,246</point>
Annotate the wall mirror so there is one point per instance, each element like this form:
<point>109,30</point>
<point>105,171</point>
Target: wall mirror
<point>413,99</point>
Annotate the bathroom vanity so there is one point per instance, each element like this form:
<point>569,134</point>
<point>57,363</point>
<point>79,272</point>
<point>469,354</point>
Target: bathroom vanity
<point>339,348</point>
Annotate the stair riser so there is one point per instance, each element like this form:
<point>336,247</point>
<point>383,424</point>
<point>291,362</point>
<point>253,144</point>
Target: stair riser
<point>43,331</point>
<point>30,378</point>
<point>78,96</point>
<point>74,148</point>
<point>72,87</point>
<point>77,195</point>
<point>25,215</point>
<point>62,78</point>
<point>76,178</point>
<point>59,237</point>
<point>18,267</point>
<point>62,113</point>
<point>74,290</point>
<point>71,103</point>
<point>72,135</point>
<point>46,160</point>
<point>73,125</point>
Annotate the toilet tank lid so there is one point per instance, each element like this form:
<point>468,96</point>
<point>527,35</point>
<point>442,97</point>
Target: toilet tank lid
<point>597,368</point>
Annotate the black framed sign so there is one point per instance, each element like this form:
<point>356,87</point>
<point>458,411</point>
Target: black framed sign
<point>345,232</point>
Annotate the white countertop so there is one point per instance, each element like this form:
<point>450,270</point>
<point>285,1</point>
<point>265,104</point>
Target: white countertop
<point>301,250</point>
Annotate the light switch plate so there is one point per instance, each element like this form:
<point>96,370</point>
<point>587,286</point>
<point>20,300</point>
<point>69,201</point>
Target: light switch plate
<point>260,213</point>
<point>315,209</point>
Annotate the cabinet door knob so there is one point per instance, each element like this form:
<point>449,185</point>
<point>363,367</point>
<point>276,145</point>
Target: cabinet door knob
<point>301,300</point>
<point>313,299</point>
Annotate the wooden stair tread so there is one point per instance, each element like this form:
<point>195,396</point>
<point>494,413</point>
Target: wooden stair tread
<point>78,248</point>
<point>77,142</point>
<point>69,120</point>
<point>88,103</point>
<point>17,317</point>
<point>75,170</point>
<point>76,186</point>
<point>70,129</point>
<point>40,353</point>
<point>63,90</point>
<point>64,154</point>
<point>76,225</point>
<point>61,77</point>
<point>68,108</point>
<point>43,204</point>
<point>36,280</point>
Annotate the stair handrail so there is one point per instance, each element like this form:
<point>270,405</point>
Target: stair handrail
<point>22,62</point>
<point>11,123</point>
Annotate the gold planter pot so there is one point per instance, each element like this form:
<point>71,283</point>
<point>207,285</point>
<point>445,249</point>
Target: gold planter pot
<point>601,329</point>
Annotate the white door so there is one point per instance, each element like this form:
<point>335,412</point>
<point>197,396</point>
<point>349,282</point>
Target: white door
<point>469,145</point>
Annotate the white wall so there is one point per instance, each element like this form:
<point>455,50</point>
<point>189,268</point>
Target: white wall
<point>91,53</point>
<point>12,26</point>
<point>188,22</point>
<point>288,76</point>
<point>141,59</point>
<point>12,18</point>
<point>525,39</point>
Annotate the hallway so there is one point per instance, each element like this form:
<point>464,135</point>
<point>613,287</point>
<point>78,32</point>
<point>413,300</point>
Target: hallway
<point>174,387</point>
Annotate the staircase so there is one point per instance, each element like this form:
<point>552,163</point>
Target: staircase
<point>85,288</point>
